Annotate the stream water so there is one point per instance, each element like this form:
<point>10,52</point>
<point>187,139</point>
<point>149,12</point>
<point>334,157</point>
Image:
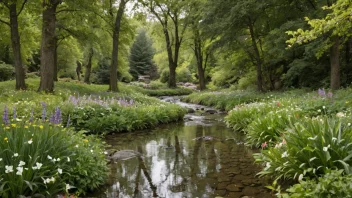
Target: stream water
<point>199,157</point>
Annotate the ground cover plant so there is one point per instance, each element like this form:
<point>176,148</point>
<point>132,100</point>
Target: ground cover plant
<point>91,108</point>
<point>40,156</point>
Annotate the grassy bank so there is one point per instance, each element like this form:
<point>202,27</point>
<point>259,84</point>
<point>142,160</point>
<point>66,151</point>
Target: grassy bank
<point>305,136</point>
<point>43,137</point>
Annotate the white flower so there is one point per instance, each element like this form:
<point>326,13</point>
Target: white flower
<point>22,163</point>
<point>300,177</point>
<point>58,159</point>
<point>334,139</point>
<point>76,146</point>
<point>326,148</point>
<point>9,169</point>
<point>68,159</point>
<point>319,110</point>
<point>15,155</point>
<point>59,170</point>
<point>39,165</point>
<point>340,115</point>
<point>349,124</point>
<point>30,141</point>
<point>49,157</point>
<point>68,187</point>
<point>0,159</point>
<point>105,152</point>
<point>284,154</point>
<point>268,165</point>
<point>91,151</point>
<point>323,107</point>
<point>19,170</point>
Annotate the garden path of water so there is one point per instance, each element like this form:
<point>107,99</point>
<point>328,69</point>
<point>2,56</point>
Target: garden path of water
<point>177,163</point>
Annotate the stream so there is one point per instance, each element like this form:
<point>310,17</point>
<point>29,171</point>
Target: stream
<point>199,157</point>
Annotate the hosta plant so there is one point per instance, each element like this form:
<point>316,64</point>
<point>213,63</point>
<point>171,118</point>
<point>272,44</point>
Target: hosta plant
<point>311,147</point>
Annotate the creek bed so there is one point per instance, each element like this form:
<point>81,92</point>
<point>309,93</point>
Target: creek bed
<point>200,157</point>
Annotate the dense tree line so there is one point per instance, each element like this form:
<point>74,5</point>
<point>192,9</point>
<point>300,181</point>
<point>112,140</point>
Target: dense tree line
<point>241,43</point>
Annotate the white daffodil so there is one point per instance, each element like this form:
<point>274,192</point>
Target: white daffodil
<point>59,170</point>
<point>284,154</point>
<point>19,170</point>
<point>9,169</point>
<point>22,163</point>
<point>15,155</point>
<point>38,166</point>
<point>49,157</point>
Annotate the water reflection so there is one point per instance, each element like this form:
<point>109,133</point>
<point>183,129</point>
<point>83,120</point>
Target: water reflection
<point>174,165</point>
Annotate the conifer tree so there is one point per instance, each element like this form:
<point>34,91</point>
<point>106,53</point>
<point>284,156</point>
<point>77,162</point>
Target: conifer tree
<point>141,55</point>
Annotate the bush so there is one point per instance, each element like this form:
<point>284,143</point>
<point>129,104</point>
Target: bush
<point>332,184</point>
<point>6,72</point>
<point>312,147</point>
<point>47,159</point>
<point>183,75</point>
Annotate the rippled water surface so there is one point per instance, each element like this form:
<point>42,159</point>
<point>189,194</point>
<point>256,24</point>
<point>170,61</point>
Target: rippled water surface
<point>175,162</point>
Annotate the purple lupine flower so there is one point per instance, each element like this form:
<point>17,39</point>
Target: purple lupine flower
<point>57,116</point>
<point>321,92</point>
<point>14,113</point>
<point>44,111</point>
<point>52,118</point>
<point>5,116</point>
<point>68,121</point>
<point>31,116</point>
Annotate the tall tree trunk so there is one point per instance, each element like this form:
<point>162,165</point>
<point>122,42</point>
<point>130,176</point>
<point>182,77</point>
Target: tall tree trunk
<point>115,47</point>
<point>88,67</point>
<point>172,68</point>
<point>257,58</point>
<point>78,70</point>
<point>47,53</point>
<point>335,63</point>
<point>199,56</point>
<point>55,61</point>
<point>16,48</point>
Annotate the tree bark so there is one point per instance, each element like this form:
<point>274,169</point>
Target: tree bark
<point>115,47</point>
<point>47,53</point>
<point>16,48</point>
<point>55,61</point>
<point>88,67</point>
<point>335,63</point>
<point>78,70</point>
<point>172,68</point>
<point>257,58</point>
<point>199,56</point>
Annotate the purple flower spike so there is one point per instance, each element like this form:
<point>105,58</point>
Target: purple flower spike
<point>14,113</point>
<point>321,92</point>
<point>57,116</point>
<point>5,116</point>
<point>330,94</point>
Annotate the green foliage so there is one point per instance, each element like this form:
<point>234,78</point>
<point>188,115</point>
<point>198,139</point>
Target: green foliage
<point>312,147</point>
<point>6,72</point>
<point>141,55</point>
<point>47,159</point>
<point>332,184</point>
<point>183,75</point>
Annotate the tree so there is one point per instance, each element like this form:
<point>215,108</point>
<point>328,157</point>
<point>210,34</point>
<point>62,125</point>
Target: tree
<point>48,46</point>
<point>335,25</point>
<point>164,11</point>
<point>15,39</point>
<point>115,46</point>
<point>141,55</point>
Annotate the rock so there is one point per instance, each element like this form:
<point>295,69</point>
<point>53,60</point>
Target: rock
<point>222,185</point>
<point>240,178</point>
<point>233,188</point>
<point>190,110</point>
<point>211,111</point>
<point>250,191</point>
<point>220,192</point>
<point>235,194</point>
<point>124,155</point>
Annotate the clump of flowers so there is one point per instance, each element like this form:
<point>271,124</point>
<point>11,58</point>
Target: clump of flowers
<point>86,100</point>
